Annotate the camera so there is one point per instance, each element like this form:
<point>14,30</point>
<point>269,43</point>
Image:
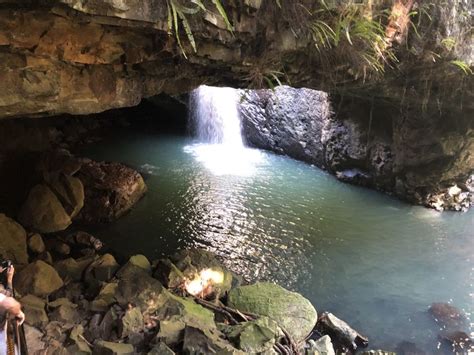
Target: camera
<point>5,264</point>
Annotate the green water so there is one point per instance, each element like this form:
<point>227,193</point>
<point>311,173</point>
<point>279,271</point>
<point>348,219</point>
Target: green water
<point>372,260</point>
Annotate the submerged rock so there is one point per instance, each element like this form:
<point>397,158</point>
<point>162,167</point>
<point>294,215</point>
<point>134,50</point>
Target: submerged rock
<point>447,315</point>
<point>12,241</point>
<point>294,313</point>
<point>111,190</point>
<point>459,341</point>
<point>340,331</point>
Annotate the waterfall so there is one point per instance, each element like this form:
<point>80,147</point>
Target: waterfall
<point>215,116</point>
<point>215,121</point>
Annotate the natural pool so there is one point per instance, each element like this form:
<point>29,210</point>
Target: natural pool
<point>374,261</point>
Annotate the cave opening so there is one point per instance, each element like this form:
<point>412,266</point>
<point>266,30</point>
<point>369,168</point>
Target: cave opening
<point>263,193</point>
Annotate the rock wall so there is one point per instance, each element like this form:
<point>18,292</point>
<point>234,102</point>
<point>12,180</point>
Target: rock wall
<point>425,161</point>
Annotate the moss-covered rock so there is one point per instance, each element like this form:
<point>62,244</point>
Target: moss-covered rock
<point>290,310</point>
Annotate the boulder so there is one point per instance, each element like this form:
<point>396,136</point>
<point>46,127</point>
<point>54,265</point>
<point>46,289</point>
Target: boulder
<point>71,269</point>
<point>340,332</point>
<point>64,311</point>
<point>102,347</point>
<point>39,279</point>
<point>322,346</point>
<point>34,309</point>
<point>132,322</point>
<point>34,340</point>
<point>105,298</point>
<point>70,192</point>
<point>111,189</point>
<point>36,244</point>
<point>196,264</point>
<point>43,212</point>
<point>80,345</point>
<point>13,241</point>
<point>294,313</point>
<point>102,269</point>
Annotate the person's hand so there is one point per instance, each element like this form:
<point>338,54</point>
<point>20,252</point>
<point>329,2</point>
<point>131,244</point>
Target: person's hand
<point>20,317</point>
<point>10,273</point>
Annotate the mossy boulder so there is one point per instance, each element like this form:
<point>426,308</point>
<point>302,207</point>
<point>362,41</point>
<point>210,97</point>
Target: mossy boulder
<point>294,313</point>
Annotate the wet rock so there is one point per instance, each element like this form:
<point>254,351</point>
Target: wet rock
<point>378,352</point>
<point>459,341</point>
<point>111,189</point>
<point>161,349</point>
<point>447,315</point>
<point>294,313</point>
<point>36,244</point>
<point>34,340</point>
<point>13,241</point>
<point>140,261</point>
<point>34,309</point>
<point>39,279</point>
<point>132,322</point>
<point>171,331</point>
<point>322,346</point>
<point>169,274</point>
<point>102,347</point>
<point>340,331</point>
<point>256,336</point>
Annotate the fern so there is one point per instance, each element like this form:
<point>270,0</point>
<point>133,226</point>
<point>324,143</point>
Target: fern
<point>177,18</point>
<point>462,65</point>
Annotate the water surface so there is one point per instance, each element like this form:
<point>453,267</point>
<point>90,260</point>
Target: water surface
<point>374,261</point>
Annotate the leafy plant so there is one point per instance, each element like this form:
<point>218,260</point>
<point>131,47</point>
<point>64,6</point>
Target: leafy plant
<point>462,65</point>
<point>177,18</point>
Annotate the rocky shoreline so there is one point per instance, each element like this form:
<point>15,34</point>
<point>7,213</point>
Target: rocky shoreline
<point>78,299</point>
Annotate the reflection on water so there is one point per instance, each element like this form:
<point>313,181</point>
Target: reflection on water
<point>372,260</point>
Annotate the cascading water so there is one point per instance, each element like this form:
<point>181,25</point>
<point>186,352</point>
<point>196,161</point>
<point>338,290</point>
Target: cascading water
<point>215,115</point>
<point>215,120</point>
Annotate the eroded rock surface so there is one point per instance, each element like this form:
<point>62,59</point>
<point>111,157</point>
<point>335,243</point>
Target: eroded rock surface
<point>425,160</point>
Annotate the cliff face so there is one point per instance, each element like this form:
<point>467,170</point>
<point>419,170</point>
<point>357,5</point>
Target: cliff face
<point>424,161</point>
<point>71,56</point>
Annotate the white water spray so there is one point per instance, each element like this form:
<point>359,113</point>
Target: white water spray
<point>215,120</point>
